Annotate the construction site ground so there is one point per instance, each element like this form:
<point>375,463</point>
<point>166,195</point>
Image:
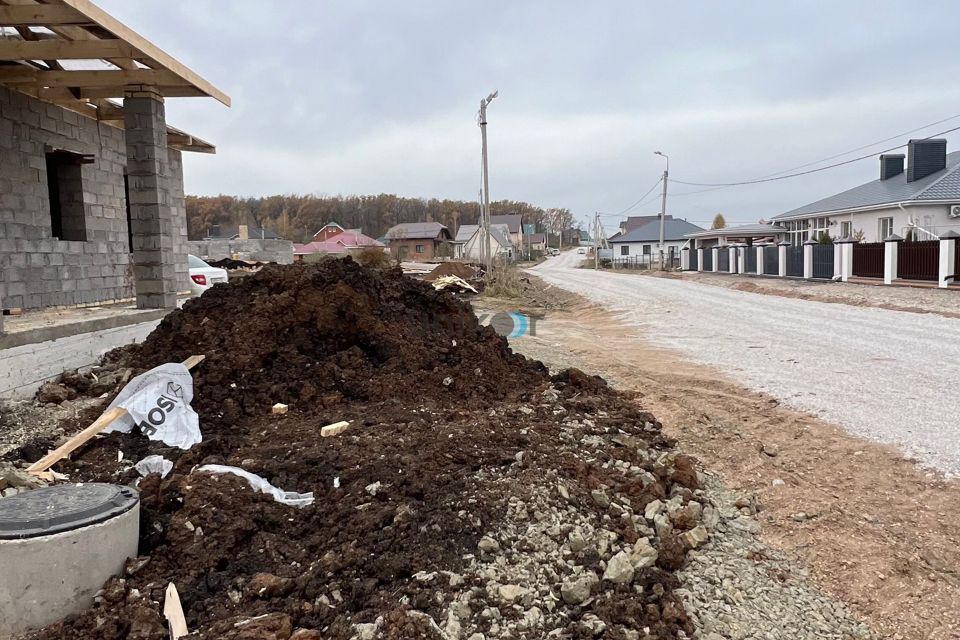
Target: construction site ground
<point>857,523</point>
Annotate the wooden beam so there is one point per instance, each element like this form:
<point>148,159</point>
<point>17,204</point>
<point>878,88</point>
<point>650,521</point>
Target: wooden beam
<point>14,50</point>
<point>122,31</point>
<point>179,139</point>
<point>106,111</point>
<point>112,78</point>
<point>42,15</point>
<point>93,93</point>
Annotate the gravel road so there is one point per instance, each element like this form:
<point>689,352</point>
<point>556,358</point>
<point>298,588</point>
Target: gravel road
<point>888,376</point>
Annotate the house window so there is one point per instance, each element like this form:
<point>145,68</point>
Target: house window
<point>65,189</point>
<point>885,228</point>
<point>846,229</point>
<point>819,228</point>
<point>797,231</point>
<point>624,249</point>
<point>646,249</point>
<point>419,248</point>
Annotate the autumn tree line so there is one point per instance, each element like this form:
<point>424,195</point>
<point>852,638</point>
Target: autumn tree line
<point>298,217</point>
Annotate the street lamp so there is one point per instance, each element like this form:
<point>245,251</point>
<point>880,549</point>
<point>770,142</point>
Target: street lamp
<point>663,203</point>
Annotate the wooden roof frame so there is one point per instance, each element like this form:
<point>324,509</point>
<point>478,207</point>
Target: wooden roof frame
<point>80,30</point>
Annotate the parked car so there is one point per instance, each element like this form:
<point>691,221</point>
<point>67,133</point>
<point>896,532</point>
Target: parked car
<point>581,250</point>
<point>203,276</point>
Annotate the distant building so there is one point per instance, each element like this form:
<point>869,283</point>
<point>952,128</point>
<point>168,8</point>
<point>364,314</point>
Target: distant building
<point>343,243</point>
<point>330,230</point>
<point>235,232</point>
<point>514,225</point>
<point>420,241</point>
<point>535,241</point>
<point>468,243</point>
<point>640,244</point>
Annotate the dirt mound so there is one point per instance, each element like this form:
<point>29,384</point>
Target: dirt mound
<point>459,269</point>
<point>317,336</point>
<point>472,493</point>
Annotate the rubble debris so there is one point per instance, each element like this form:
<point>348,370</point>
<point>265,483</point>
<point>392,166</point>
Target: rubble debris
<point>279,409</point>
<point>334,429</point>
<point>444,510</point>
<point>291,498</point>
<point>452,282</point>
<point>465,271</point>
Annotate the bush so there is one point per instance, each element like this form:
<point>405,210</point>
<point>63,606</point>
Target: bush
<point>373,257</point>
<point>503,282</point>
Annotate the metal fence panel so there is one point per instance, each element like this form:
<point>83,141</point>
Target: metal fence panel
<point>771,260</point>
<point>823,261</point>
<point>708,259</point>
<point>723,259</point>
<point>750,259</point>
<point>868,259</point>
<point>919,260</point>
<point>795,262</point>
<point>694,259</point>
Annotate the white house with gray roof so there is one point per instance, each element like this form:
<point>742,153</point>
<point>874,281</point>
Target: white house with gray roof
<point>920,201</point>
<point>468,243</point>
<point>640,244</point>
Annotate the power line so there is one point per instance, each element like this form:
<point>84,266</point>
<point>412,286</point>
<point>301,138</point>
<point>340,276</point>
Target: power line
<point>639,201</point>
<point>803,173</point>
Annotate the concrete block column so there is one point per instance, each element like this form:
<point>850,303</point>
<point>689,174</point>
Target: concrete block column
<point>846,258</point>
<point>760,249</point>
<point>837,258</point>
<point>742,258</point>
<point>891,246</point>
<point>948,253</point>
<point>155,254</point>
<point>699,258</point>
<point>716,259</point>
<point>732,262</point>
<point>808,259</point>
<point>782,258</point>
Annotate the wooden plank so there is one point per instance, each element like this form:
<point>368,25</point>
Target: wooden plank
<point>152,51</point>
<point>42,15</point>
<point>93,93</point>
<point>112,78</point>
<point>101,423</point>
<point>55,49</point>
<point>173,612</point>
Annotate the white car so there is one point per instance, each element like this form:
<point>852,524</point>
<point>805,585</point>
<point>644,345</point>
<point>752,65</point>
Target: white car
<point>203,276</point>
<point>581,250</point>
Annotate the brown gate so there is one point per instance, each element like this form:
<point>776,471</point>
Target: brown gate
<point>919,260</point>
<point>868,259</point>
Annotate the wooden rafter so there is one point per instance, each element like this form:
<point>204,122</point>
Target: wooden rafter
<point>57,49</point>
<point>13,76</point>
<point>42,15</point>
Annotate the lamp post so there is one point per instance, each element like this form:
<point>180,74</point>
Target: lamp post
<point>663,204</point>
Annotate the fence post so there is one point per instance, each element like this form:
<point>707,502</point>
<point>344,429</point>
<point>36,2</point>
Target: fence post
<point>742,258</point>
<point>716,259</point>
<point>732,262</point>
<point>890,246</point>
<point>782,258</point>
<point>760,249</point>
<point>699,259</point>
<point>685,259</point>
<point>837,259</point>
<point>846,258</point>
<point>948,253</point>
<point>808,259</point>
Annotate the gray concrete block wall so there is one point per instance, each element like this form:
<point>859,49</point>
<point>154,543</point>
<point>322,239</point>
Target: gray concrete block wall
<point>38,270</point>
<point>279,251</point>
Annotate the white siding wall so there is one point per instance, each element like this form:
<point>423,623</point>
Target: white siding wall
<point>933,217</point>
<point>636,248</point>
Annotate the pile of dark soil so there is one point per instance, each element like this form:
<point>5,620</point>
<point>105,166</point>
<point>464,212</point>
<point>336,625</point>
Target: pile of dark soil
<point>471,490</point>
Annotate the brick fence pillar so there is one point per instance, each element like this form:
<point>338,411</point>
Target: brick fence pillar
<point>846,258</point>
<point>782,258</point>
<point>716,259</point>
<point>891,245</point>
<point>155,253</point>
<point>808,259</point>
<point>948,249</point>
<point>699,258</point>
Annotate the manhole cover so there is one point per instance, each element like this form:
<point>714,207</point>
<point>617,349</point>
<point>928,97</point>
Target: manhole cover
<point>50,510</point>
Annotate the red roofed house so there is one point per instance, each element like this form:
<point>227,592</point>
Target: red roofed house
<point>342,243</point>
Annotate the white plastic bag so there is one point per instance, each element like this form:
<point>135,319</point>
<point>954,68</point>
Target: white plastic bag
<point>158,401</point>
<point>154,464</point>
<point>291,498</point>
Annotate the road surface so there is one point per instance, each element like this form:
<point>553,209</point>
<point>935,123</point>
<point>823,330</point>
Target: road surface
<point>889,376</point>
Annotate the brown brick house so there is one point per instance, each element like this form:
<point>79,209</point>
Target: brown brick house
<point>419,241</point>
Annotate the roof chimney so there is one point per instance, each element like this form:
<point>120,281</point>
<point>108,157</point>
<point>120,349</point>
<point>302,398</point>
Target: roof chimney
<point>891,165</point>
<point>926,157</point>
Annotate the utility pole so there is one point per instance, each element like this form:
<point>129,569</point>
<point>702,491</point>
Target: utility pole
<point>663,205</point>
<point>486,181</point>
<point>596,238</point>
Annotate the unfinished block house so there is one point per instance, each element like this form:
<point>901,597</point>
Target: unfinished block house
<point>91,181</point>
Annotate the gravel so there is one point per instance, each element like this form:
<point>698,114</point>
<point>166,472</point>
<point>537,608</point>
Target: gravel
<point>887,376</point>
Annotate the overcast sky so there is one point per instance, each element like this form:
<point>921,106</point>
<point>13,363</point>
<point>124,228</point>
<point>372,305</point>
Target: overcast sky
<point>363,97</point>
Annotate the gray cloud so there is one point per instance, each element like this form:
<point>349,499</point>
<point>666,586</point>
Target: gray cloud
<point>368,97</point>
